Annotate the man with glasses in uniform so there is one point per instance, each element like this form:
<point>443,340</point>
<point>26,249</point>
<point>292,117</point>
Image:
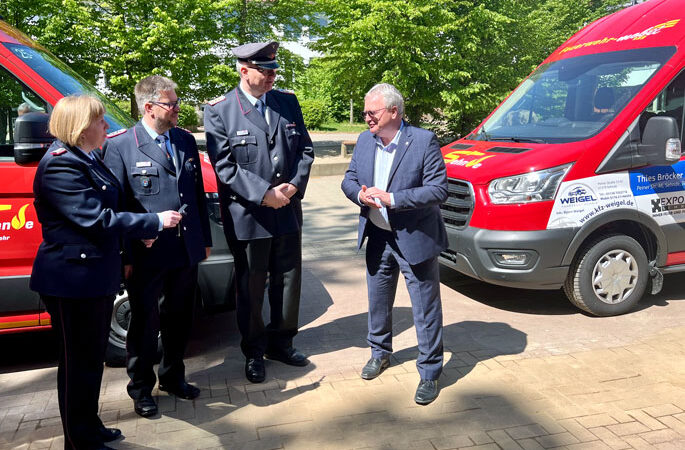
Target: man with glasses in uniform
<point>159,167</point>
<point>262,155</point>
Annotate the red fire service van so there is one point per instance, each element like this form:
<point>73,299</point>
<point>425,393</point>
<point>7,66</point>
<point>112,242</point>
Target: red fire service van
<point>575,180</point>
<point>31,82</point>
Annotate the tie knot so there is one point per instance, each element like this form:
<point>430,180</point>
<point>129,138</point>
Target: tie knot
<point>260,106</point>
<point>161,138</point>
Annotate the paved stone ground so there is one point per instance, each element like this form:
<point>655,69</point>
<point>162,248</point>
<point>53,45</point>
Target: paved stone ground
<point>524,370</point>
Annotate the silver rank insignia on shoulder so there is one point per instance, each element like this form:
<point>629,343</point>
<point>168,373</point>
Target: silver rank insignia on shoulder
<point>59,151</point>
<point>143,164</point>
<point>116,133</point>
<point>242,132</point>
<point>216,100</point>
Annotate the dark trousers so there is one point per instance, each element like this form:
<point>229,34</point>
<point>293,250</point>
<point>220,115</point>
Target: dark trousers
<point>82,327</point>
<point>281,258</point>
<point>153,315</point>
<point>384,262</point>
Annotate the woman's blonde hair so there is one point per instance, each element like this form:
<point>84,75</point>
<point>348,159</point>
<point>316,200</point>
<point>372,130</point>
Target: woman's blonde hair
<point>72,115</point>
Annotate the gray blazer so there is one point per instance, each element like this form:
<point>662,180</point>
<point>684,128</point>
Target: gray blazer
<point>418,182</point>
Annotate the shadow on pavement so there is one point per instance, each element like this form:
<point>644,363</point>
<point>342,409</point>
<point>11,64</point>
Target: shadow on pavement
<point>526,301</point>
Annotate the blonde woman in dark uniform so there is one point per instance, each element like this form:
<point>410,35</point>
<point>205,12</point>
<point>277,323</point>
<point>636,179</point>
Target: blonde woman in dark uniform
<point>78,266</point>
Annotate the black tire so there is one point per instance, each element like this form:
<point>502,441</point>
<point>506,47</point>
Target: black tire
<point>608,276</point>
<point>115,355</point>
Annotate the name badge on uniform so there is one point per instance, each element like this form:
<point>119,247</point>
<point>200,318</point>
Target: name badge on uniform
<point>290,125</point>
<point>242,132</point>
<point>143,164</point>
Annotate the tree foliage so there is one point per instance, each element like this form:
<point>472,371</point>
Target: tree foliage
<point>453,60</point>
<point>118,42</point>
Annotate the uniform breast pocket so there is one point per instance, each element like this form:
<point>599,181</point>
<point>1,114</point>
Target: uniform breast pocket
<point>244,149</point>
<point>145,180</point>
<point>293,137</point>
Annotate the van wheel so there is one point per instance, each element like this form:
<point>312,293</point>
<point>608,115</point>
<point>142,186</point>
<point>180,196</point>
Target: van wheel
<point>608,276</point>
<point>115,355</point>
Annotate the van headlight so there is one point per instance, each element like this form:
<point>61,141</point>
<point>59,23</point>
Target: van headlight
<point>529,187</point>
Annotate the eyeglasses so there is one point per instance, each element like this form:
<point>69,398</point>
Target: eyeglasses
<point>267,72</point>
<point>373,114</point>
<point>168,105</point>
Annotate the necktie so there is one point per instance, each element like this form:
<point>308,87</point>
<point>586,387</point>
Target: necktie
<point>166,146</point>
<point>260,107</point>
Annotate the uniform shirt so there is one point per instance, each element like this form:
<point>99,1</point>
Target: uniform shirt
<point>253,100</point>
<point>153,134</point>
<point>385,154</point>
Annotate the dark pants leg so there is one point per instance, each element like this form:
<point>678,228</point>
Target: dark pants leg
<point>280,258</point>
<point>384,262</point>
<point>82,327</point>
<point>151,315</point>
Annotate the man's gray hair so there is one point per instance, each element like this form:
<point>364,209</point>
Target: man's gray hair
<point>391,96</point>
<point>149,89</point>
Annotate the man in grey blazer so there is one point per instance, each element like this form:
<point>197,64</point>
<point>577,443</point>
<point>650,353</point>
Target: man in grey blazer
<point>397,176</point>
<point>262,155</point>
<point>158,166</point>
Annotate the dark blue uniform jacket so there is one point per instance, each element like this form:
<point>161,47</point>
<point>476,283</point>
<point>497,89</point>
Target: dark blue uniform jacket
<point>77,201</point>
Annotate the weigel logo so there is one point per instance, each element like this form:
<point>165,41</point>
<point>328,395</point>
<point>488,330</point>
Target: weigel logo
<point>578,194</point>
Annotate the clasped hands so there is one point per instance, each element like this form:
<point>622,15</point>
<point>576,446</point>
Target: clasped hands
<point>374,197</point>
<point>169,220</point>
<point>279,196</point>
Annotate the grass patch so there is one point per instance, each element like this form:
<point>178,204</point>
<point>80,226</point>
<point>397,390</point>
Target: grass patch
<point>342,127</point>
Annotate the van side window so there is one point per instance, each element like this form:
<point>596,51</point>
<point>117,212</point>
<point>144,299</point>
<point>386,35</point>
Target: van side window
<point>15,100</point>
<point>668,102</point>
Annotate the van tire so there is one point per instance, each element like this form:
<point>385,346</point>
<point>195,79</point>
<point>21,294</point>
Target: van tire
<point>115,354</point>
<point>623,261</point>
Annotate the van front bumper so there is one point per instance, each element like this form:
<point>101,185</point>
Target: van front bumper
<point>483,254</point>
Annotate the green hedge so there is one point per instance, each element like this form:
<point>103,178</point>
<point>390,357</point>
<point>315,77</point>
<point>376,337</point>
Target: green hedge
<point>314,112</point>
<point>187,117</point>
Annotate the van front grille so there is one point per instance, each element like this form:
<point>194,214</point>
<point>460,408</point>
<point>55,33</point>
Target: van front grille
<point>456,211</point>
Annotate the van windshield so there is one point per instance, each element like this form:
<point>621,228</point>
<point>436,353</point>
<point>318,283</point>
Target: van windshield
<point>67,82</point>
<point>573,99</point>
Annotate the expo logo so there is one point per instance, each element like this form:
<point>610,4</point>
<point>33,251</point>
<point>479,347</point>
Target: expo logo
<point>18,221</point>
<point>667,204</point>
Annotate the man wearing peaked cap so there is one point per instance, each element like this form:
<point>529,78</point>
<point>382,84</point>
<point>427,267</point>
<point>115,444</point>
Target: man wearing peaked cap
<point>262,155</point>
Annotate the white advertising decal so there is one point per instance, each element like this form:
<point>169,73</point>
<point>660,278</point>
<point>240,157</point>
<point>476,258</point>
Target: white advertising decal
<point>655,191</point>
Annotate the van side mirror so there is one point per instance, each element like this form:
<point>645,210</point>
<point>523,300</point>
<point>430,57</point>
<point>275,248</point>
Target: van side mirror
<point>31,137</point>
<point>660,141</point>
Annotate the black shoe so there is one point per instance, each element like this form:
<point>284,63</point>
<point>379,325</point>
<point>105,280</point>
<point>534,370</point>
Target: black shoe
<point>288,356</point>
<point>108,434</point>
<point>374,367</point>
<point>181,390</point>
<point>145,406</point>
<point>426,392</point>
<point>254,370</point>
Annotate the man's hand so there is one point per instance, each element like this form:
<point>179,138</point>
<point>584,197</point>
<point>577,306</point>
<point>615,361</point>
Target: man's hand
<point>275,198</point>
<point>376,193</point>
<point>148,242</point>
<point>171,218</point>
<point>128,270</point>
<point>366,199</point>
<point>288,189</point>
<point>208,251</point>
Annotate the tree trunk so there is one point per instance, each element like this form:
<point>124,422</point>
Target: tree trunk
<point>351,110</point>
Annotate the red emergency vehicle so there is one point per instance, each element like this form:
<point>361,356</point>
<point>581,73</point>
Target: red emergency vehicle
<point>575,180</point>
<point>31,81</point>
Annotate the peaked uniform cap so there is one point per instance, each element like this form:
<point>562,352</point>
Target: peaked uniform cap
<point>261,54</point>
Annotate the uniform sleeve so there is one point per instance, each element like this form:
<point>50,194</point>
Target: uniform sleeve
<point>305,153</point>
<point>244,183</point>
<point>67,189</point>
<point>200,194</point>
<point>434,188</point>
